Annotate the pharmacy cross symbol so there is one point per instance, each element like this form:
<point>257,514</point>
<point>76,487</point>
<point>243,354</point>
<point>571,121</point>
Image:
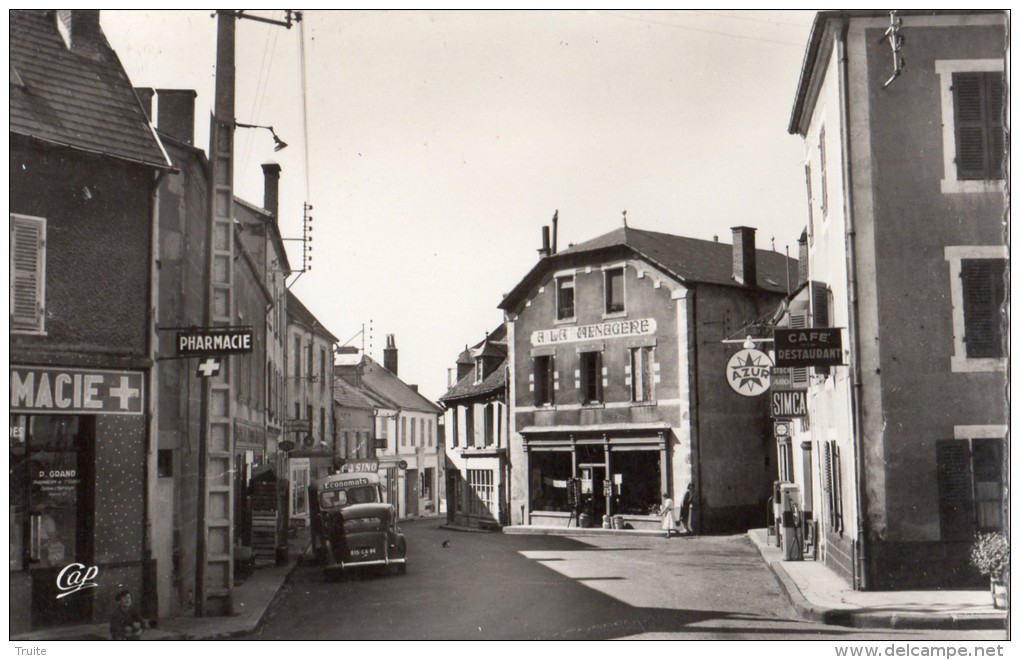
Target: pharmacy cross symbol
<point>124,392</point>
<point>208,368</point>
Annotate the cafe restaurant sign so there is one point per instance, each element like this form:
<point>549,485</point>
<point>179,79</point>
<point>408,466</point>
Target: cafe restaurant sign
<point>54,390</point>
<point>809,347</point>
<point>607,330</point>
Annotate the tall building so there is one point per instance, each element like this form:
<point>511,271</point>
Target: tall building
<point>906,254</point>
<point>84,167</point>
<point>618,379</point>
<point>310,396</point>
<point>477,435</point>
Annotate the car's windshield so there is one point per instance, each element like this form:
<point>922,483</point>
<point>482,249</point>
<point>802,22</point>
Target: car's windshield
<point>331,499</point>
<point>372,524</point>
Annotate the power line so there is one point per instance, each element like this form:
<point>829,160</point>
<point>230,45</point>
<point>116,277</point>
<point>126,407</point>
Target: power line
<point>717,32</point>
<point>304,109</point>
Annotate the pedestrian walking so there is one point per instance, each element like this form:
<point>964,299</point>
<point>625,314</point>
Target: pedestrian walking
<point>668,523</point>
<point>685,510</point>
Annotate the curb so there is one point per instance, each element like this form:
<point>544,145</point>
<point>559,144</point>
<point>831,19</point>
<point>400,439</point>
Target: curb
<point>538,530</point>
<point>862,618</point>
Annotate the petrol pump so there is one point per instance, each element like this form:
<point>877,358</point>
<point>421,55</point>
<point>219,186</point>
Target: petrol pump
<point>791,517</point>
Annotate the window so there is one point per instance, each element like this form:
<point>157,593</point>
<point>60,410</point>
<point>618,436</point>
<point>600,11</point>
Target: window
<point>614,291</point>
<point>479,370</point>
<point>980,141</point>
<point>297,410</point>
<point>482,493</point>
<point>297,359</point>
<point>833,485</point>
<point>430,432</point>
<point>822,172</point>
<point>984,292</point>
<point>565,297</point>
<point>28,273</point>
<point>322,423</point>
<point>977,287</point>
<point>970,478</point>
<point>403,431</point>
<point>454,427</point>
<point>413,434</point>
<point>544,380</point>
<point>591,377</point>
<point>469,425</point>
<point>322,372</point>
<point>973,138</point>
<point>488,427</point>
<point>549,472</point>
<point>642,379</point>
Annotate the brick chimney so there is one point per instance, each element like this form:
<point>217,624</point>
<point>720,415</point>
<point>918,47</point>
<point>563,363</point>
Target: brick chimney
<point>176,113</point>
<point>802,259</point>
<point>390,355</point>
<point>79,28</point>
<point>745,270</point>
<point>271,196</point>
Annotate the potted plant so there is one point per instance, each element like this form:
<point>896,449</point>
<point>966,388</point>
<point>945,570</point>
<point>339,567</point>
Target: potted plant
<point>990,555</point>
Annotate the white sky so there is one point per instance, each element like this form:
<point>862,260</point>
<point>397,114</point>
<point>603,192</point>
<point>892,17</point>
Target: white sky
<point>439,144</point>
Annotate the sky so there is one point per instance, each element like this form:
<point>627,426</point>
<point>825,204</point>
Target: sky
<point>434,145</point>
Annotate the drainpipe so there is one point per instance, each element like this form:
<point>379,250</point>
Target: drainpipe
<point>861,563</point>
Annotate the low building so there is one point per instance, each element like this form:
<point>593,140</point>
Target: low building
<point>618,379</point>
<point>408,446</point>
<point>477,435</point>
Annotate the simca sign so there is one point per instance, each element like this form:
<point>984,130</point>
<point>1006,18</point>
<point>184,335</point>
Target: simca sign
<point>749,372</point>
<point>607,330</point>
<point>789,403</point>
<point>76,391</point>
<point>810,347</point>
<point>207,342</point>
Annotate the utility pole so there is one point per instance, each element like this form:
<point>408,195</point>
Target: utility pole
<point>214,574</point>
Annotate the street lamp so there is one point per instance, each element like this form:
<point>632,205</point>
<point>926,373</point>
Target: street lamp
<point>280,144</point>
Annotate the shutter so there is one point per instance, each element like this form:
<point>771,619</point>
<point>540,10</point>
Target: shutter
<point>956,503</point>
<point>28,266</point>
<point>827,478</point>
<point>798,375</point>
<point>996,135</point>
<point>971,114</point>
<point>983,294</point>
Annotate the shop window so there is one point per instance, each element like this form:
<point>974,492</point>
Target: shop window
<point>591,377</point>
<point>51,490</point>
<point>637,487</point>
<point>544,380</point>
<point>549,474</point>
<point>565,298</point>
<point>642,370</point>
<point>481,493</point>
<point>425,484</point>
<point>614,291</point>
<point>27,273</point>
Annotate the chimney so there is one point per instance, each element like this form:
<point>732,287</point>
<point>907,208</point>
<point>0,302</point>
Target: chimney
<point>802,259</point>
<point>176,113</point>
<point>271,197</point>
<point>145,95</point>
<point>544,250</point>
<point>390,355</point>
<point>744,262</point>
<point>414,387</point>
<point>79,28</point>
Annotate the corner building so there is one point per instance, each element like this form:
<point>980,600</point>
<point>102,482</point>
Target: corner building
<point>618,380</point>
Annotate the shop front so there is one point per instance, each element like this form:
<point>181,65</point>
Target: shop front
<point>77,493</point>
<point>593,478</point>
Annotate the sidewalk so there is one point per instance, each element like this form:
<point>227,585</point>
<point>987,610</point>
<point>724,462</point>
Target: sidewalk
<point>252,599</point>
<point>818,594</point>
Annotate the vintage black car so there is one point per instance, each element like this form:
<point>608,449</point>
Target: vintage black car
<point>361,536</point>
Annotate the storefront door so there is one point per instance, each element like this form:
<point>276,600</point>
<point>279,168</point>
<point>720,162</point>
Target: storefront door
<point>592,497</point>
<point>51,510</point>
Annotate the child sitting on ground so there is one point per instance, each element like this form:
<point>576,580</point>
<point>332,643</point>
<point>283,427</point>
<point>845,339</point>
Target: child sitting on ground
<point>125,622</point>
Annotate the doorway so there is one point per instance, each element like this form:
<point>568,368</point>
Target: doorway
<point>593,498</point>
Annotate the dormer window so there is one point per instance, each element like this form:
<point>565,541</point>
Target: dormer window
<point>614,291</point>
<point>479,370</point>
<point>565,298</point>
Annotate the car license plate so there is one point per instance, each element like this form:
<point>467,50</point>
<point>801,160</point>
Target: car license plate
<point>362,552</point>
